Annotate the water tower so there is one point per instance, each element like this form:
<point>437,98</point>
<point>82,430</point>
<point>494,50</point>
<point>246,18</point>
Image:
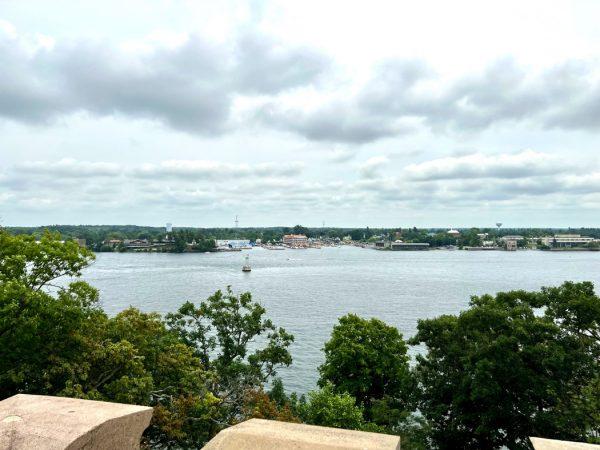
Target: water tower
<point>498,224</point>
<point>169,227</point>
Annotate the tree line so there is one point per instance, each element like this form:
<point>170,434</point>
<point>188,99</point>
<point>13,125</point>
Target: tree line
<point>95,235</point>
<point>513,365</point>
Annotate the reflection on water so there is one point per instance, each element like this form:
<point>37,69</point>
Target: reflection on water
<point>305,291</point>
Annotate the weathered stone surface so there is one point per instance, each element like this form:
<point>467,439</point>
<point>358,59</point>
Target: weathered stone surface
<point>258,434</point>
<point>551,444</point>
<point>53,423</point>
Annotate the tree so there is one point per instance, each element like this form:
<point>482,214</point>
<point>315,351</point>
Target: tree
<point>498,373</point>
<point>367,359</point>
<point>64,344</point>
<point>41,335</point>
<point>220,331</point>
<point>299,229</point>
<point>331,409</point>
<point>179,242</point>
<point>260,405</point>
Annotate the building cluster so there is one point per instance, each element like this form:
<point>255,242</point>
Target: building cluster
<point>507,242</point>
<point>229,245</point>
<point>295,240</point>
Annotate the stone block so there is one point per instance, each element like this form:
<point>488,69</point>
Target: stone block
<point>258,434</point>
<point>57,423</point>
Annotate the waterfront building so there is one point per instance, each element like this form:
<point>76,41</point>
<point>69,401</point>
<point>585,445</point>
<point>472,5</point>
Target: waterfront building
<point>511,242</point>
<point>410,245</point>
<point>295,240</point>
<point>233,243</point>
<point>567,240</point>
<point>515,237</point>
<point>137,244</point>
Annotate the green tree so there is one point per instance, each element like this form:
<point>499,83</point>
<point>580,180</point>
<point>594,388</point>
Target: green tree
<point>179,242</point>
<point>41,335</point>
<point>328,408</point>
<point>62,343</point>
<point>367,359</point>
<point>299,229</point>
<point>498,372</point>
<point>220,331</point>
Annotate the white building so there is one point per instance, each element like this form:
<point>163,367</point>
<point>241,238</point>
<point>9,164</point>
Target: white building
<point>233,243</point>
<point>567,240</point>
<point>514,237</point>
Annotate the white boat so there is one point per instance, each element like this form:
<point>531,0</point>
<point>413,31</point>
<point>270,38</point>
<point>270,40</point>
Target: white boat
<point>246,267</point>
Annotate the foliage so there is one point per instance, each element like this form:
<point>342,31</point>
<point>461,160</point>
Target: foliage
<point>260,405</point>
<point>498,372</point>
<point>367,359</point>
<point>55,340</point>
<point>41,336</point>
<point>220,331</point>
<point>328,408</point>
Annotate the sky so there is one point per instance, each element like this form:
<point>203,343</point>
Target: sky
<point>352,114</point>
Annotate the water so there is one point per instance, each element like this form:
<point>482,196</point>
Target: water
<point>306,291</point>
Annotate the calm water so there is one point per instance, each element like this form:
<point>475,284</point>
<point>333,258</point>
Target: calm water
<point>305,291</point>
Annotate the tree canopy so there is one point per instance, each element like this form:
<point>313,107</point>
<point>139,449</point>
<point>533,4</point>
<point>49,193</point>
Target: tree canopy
<point>513,365</point>
<point>367,359</point>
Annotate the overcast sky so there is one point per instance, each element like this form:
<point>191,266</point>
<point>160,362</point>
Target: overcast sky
<point>349,113</point>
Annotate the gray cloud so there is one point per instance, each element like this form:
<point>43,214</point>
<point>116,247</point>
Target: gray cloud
<point>264,67</point>
<point>402,92</point>
<point>189,87</point>
<point>336,122</point>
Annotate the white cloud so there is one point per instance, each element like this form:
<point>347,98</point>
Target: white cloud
<point>479,165</point>
<point>69,168</point>
<point>203,169</point>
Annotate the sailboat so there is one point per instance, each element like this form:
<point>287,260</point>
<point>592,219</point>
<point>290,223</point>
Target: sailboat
<point>246,267</point>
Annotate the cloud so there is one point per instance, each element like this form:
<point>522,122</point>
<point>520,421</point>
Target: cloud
<point>341,155</point>
<point>69,168</point>
<point>522,180</point>
<point>405,95</point>
<point>192,84</point>
<point>479,165</point>
<point>202,169</point>
<point>188,87</point>
<point>335,122</point>
<point>371,167</point>
<point>266,67</point>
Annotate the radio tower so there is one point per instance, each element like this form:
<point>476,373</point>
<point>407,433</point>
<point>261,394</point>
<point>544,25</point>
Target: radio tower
<point>236,221</point>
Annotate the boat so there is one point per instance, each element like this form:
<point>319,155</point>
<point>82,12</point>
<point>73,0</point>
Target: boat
<point>246,267</point>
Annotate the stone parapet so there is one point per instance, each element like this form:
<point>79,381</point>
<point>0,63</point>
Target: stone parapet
<point>53,423</point>
<point>552,444</point>
<point>258,434</point>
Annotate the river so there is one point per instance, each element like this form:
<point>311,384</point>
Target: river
<point>306,291</point>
